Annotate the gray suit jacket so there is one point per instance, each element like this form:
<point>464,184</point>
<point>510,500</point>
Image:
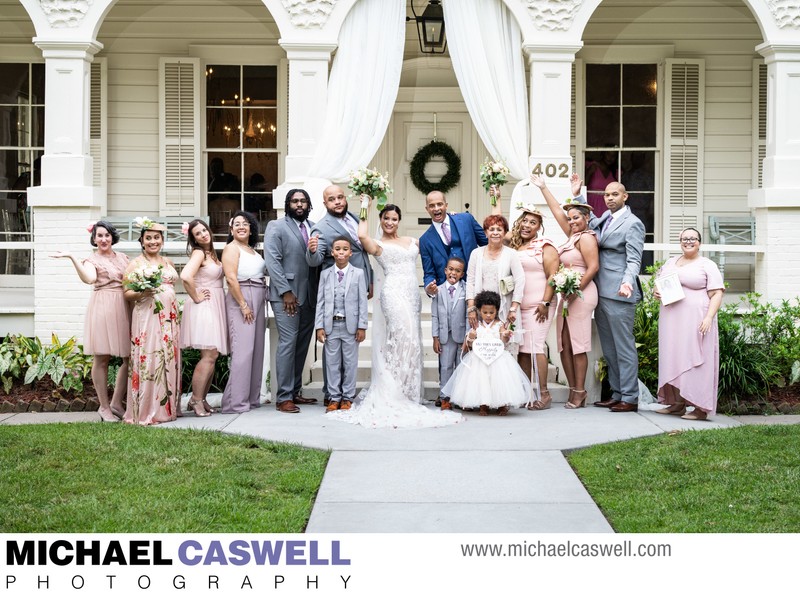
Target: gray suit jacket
<point>355,300</point>
<point>449,316</point>
<point>621,247</point>
<point>328,229</point>
<point>285,258</point>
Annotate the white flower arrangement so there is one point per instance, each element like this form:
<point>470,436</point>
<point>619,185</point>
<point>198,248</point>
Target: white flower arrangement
<point>143,222</point>
<point>567,282</point>
<point>371,183</point>
<point>493,173</point>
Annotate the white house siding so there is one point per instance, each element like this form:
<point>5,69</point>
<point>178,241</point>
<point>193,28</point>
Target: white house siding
<point>135,35</point>
<point>723,33</point>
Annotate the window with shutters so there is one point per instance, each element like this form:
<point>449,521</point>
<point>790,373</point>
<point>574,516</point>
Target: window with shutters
<point>241,146</point>
<point>621,137</point>
<point>21,148</point>
<point>759,121</point>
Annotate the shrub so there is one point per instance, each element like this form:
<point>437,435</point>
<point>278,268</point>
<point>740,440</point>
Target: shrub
<point>645,330</point>
<point>65,364</point>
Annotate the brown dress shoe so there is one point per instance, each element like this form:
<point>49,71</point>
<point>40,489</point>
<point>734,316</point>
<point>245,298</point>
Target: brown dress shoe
<point>446,405</point>
<point>625,407</point>
<point>298,399</point>
<point>345,405</point>
<point>331,407</point>
<point>287,406</point>
<point>607,403</point>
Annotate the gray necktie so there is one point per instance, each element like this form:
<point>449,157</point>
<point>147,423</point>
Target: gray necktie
<point>341,275</point>
<point>351,228</point>
<point>446,232</point>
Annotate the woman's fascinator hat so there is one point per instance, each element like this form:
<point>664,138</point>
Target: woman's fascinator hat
<point>530,208</point>
<point>185,228</point>
<point>571,203</point>
<point>147,224</point>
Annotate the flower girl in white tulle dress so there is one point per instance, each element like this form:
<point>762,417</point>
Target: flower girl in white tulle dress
<point>488,376</point>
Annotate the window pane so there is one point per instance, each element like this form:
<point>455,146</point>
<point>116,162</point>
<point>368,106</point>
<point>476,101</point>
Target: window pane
<point>223,127</point>
<point>643,206</point>
<point>37,84</point>
<point>260,128</point>
<point>601,169</point>
<point>13,83</point>
<point>261,173</point>
<point>224,190</point>
<point>638,126</point>
<point>602,126</point>
<point>602,84</point>
<point>37,126</point>
<point>639,84</point>
<point>260,85</point>
<point>9,116</point>
<point>638,171</point>
<point>222,85</point>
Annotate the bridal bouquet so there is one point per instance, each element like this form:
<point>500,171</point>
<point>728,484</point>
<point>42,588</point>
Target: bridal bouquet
<point>370,182</point>
<point>566,282</point>
<point>493,173</point>
<point>144,278</point>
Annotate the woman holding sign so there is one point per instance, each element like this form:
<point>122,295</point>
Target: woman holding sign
<point>688,338</point>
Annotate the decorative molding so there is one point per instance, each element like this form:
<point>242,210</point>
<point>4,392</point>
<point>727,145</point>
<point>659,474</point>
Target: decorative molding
<point>785,12</point>
<point>309,14</point>
<point>65,13</point>
<point>553,15</point>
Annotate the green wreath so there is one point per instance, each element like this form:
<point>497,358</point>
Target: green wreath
<point>435,148</point>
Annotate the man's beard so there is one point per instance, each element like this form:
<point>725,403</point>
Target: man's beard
<point>341,215</point>
<point>293,215</point>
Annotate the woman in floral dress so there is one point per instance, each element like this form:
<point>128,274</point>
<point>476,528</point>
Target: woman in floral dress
<point>154,376</point>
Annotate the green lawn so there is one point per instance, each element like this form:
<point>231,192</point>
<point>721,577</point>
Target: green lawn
<point>745,479</point>
<point>103,477</point>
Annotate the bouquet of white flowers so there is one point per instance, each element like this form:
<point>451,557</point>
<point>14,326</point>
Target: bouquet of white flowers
<point>144,278</point>
<point>567,281</point>
<point>493,173</point>
<point>370,182</point>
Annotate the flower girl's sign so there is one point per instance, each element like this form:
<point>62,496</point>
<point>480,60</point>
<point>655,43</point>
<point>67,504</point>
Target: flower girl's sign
<point>488,349</point>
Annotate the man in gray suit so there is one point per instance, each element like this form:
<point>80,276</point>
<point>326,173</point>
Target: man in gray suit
<point>337,222</point>
<point>292,295</point>
<point>620,236</point>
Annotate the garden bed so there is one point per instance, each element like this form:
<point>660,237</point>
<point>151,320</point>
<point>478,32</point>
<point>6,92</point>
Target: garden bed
<point>45,396</point>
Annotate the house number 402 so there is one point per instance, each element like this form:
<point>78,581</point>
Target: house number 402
<point>551,169</point>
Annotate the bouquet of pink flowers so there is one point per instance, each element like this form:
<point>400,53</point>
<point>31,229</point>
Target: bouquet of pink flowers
<point>566,282</point>
<point>493,173</point>
<point>370,182</point>
<point>146,277</point>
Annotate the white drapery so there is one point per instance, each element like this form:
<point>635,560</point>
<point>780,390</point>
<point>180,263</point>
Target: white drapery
<point>486,49</point>
<point>362,87</point>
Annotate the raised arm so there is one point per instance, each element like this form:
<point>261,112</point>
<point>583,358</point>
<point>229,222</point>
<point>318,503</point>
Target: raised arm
<point>86,270</point>
<point>555,207</point>
<point>368,244</point>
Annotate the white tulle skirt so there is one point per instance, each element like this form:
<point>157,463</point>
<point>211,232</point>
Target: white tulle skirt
<point>473,383</point>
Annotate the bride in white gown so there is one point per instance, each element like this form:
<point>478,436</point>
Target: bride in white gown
<point>393,396</point>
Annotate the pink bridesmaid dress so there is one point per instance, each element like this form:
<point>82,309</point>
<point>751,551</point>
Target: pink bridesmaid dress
<point>107,329</point>
<point>535,284</point>
<point>580,310</point>
<point>688,360</point>
<point>204,325</point>
<point>154,378</point>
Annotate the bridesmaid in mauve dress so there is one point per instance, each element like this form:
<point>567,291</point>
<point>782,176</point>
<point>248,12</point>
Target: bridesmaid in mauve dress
<point>688,337</point>
<point>539,259</point>
<point>204,324</point>
<point>107,329</point>
<point>155,371</point>
<point>581,253</point>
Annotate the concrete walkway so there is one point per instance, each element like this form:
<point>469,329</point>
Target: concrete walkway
<point>488,474</point>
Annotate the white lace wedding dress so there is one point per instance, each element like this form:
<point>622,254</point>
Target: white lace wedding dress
<point>393,396</point>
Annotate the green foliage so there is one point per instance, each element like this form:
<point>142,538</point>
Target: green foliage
<point>65,364</point>
<point>645,330</point>
<point>189,359</point>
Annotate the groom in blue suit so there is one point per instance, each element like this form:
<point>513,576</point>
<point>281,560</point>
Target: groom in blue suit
<point>449,235</point>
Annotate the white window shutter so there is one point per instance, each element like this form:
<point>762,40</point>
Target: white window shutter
<point>98,122</point>
<point>684,131</point>
<point>759,121</point>
<point>179,131</point>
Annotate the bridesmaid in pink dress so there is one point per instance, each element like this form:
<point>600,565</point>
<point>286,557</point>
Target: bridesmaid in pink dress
<point>155,372</point>
<point>204,324</point>
<point>539,259</point>
<point>107,329</point>
<point>688,337</point>
<point>581,253</point>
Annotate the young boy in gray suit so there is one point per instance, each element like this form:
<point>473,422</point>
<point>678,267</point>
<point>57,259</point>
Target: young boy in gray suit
<point>341,323</point>
<point>449,321</point>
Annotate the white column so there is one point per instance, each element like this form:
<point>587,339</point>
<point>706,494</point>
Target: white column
<point>777,203</point>
<point>308,101</point>
<point>66,201</point>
